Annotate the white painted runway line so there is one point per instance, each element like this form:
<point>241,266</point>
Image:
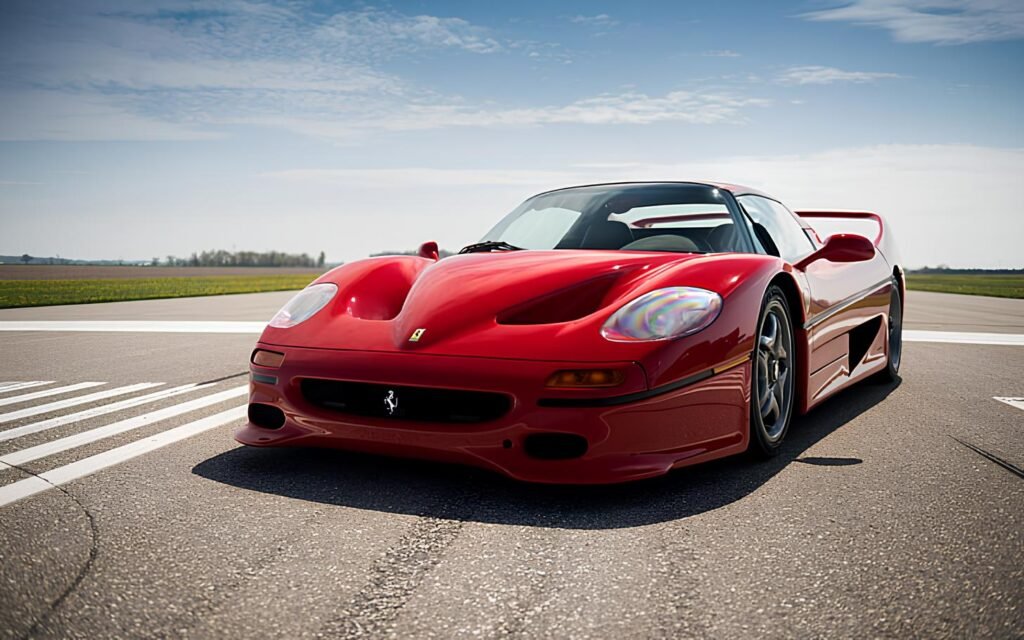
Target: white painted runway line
<point>73,402</point>
<point>1013,402</point>
<point>58,421</point>
<point>35,395</point>
<point>62,475</point>
<point>962,337</point>
<point>99,433</point>
<point>7,387</point>
<point>135,326</point>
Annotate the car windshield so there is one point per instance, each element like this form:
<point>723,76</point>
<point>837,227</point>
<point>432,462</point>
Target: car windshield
<point>680,217</point>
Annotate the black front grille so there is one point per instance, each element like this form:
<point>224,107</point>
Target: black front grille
<point>405,403</point>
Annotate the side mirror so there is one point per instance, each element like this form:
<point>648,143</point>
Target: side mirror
<point>842,247</point>
<point>429,250</point>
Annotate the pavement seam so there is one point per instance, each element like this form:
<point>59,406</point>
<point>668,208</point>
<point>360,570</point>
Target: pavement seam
<point>991,457</point>
<point>222,379</point>
<point>83,571</point>
<point>394,577</point>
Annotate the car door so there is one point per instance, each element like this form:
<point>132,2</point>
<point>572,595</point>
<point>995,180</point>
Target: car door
<point>842,296</point>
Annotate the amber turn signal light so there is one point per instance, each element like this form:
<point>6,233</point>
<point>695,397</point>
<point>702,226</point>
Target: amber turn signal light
<point>271,359</point>
<point>586,378</point>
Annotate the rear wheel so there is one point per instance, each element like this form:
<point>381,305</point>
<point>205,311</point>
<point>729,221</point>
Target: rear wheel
<point>895,338</point>
<point>773,377</point>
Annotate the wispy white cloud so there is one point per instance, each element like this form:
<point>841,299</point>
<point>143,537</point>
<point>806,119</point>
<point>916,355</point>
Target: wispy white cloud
<point>691,107</point>
<point>61,115</point>
<point>947,22</point>
<point>815,74</point>
<point>631,108</point>
<point>122,71</point>
<point>167,71</point>
<point>387,33</point>
<point>601,20</point>
<point>720,53</point>
<point>416,177</point>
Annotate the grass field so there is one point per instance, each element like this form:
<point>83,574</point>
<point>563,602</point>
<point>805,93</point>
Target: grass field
<point>1000,286</point>
<point>97,272</point>
<point>37,293</point>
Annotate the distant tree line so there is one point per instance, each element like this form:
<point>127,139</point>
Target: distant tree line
<point>966,272</point>
<point>218,258</point>
<point>35,260</point>
<point>221,258</point>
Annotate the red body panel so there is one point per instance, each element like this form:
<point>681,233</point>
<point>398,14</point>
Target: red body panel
<point>459,299</point>
<point>630,441</point>
<point>681,401</point>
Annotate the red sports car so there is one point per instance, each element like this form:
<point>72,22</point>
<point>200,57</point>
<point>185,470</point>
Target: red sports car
<point>597,334</point>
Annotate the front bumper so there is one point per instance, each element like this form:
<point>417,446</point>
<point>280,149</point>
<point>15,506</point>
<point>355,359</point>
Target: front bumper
<point>625,440</point>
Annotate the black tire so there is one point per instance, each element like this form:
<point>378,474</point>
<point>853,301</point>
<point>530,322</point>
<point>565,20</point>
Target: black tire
<point>773,375</point>
<point>894,323</point>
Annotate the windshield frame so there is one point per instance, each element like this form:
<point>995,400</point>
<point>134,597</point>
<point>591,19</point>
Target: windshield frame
<point>599,195</point>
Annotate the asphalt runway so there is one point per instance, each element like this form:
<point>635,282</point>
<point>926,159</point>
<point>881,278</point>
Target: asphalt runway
<point>126,509</point>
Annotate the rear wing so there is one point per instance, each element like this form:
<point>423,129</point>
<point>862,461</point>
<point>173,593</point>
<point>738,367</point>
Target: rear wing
<point>852,222</point>
<point>848,215</point>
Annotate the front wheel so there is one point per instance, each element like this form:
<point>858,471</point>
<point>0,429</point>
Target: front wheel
<point>773,375</point>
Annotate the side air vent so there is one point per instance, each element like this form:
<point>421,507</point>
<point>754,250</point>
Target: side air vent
<point>861,338</point>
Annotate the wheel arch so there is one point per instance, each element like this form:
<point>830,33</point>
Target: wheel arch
<point>798,315</point>
<point>901,283</point>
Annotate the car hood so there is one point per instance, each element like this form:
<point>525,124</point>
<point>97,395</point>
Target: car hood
<point>546,305</point>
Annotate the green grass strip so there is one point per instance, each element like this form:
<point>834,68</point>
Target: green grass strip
<point>1000,286</point>
<point>37,293</point>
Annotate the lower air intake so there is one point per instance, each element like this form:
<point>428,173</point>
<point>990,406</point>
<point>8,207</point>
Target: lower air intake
<point>266,416</point>
<point>555,446</point>
<point>423,404</point>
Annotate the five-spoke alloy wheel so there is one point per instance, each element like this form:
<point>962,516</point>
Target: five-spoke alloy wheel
<point>773,377</point>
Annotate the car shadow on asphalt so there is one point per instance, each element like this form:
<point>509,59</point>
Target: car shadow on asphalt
<point>428,489</point>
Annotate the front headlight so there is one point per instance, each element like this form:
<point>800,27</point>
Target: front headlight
<point>304,305</point>
<point>663,314</point>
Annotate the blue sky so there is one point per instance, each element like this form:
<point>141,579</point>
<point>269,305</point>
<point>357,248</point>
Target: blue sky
<point>135,130</point>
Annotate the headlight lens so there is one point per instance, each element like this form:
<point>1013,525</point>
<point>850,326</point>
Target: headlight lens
<point>663,314</point>
<point>304,305</point>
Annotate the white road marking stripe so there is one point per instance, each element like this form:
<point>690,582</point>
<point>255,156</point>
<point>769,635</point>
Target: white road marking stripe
<point>35,395</point>
<point>62,475</point>
<point>1013,402</point>
<point>135,326</point>
<point>58,421</point>
<point>99,433</point>
<point>14,386</point>
<point>961,337</point>
<point>74,402</point>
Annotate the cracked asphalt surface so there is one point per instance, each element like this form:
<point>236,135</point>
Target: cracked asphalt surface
<point>882,518</point>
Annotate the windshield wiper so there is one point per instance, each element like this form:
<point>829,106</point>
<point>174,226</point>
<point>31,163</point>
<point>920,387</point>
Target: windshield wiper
<point>490,245</point>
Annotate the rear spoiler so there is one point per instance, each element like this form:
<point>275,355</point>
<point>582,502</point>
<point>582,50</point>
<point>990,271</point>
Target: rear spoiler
<point>849,215</point>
